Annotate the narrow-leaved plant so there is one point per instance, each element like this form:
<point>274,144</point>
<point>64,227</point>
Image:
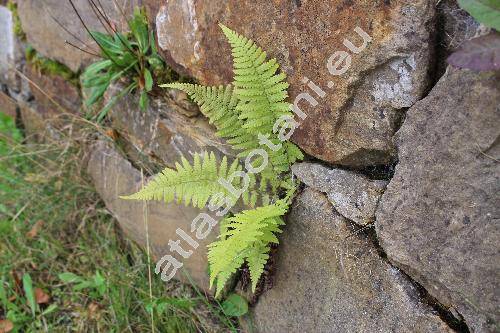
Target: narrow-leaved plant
<point>133,56</point>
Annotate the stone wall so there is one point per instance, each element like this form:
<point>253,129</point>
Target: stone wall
<point>396,226</point>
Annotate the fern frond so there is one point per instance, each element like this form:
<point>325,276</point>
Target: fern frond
<point>192,184</point>
<point>258,256</point>
<point>218,105</point>
<point>261,91</point>
<point>240,114</point>
<point>244,234</point>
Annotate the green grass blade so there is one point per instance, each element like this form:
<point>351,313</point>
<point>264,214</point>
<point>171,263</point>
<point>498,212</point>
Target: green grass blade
<point>29,293</point>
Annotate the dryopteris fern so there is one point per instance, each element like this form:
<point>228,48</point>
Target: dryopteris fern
<point>241,112</point>
<point>245,236</point>
<point>195,184</point>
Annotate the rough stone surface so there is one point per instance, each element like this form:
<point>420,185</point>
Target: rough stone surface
<point>354,196</point>
<point>439,217</point>
<point>114,176</point>
<point>164,132</point>
<point>326,282</point>
<point>38,19</point>
<point>353,124</point>
<point>48,37</point>
<point>455,26</point>
<point>7,105</point>
<point>53,94</point>
<point>7,42</point>
<point>36,127</point>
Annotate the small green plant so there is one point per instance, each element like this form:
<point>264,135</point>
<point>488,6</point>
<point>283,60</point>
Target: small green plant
<point>96,285</point>
<point>18,29</point>
<point>235,306</point>
<point>132,56</point>
<point>246,113</point>
<point>16,312</point>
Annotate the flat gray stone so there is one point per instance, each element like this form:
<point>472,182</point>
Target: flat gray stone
<point>439,219</point>
<point>354,196</point>
<point>326,282</point>
<point>38,19</point>
<point>7,43</point>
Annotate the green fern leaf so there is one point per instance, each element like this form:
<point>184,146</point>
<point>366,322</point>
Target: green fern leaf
<point>251,106</point>
<point>192,184</point>
<point>257,259</point>
<point>261,92</point>
<point>218,105</point>
<point>244,234</point>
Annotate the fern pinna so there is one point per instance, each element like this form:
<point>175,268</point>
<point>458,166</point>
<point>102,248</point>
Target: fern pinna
<point>246,114</point>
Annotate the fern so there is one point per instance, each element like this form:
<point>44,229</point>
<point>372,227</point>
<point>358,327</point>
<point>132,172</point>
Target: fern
<point>242,111</point>
<point>251,108</point>
<point>245,237</point>
<point>218,105</point>
<point>261,92</point>
<point>194,184</point>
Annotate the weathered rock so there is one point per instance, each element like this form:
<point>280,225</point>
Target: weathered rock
<point>163,131</point>
<point>53,94</point>
<point>36,127</point>
<point>438,219</point>
<point>49,23</point>
<point>11,58</point>
<point>354,123</point>
<point>7,42</point>
<point>326,282</point>
<point>7,105</point>
<point>39,21</point>
<point>113,176</point>
<point>354,196</point>
<point>455,26</point>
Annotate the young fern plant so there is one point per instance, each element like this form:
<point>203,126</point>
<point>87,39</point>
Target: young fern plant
<point>247,114</point>
<point>133,56</point>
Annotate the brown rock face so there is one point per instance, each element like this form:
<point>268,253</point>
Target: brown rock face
<point>7,105</point>
<point>114,176</point>
<point>438,219</point>
<point>327,281</point>
<point>354,122</point>
<point>53,94</point>
<point>163,132</point>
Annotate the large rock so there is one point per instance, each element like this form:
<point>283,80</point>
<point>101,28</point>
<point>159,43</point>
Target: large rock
<point>164,131</point>
<point>49,23</point>
<point>113,176</point>
<point>326,282</point>
<point>7,42</point>
<point>40,19</point>
<point>354,123</point>
<point>354,196</point>
<point>438,219</point>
